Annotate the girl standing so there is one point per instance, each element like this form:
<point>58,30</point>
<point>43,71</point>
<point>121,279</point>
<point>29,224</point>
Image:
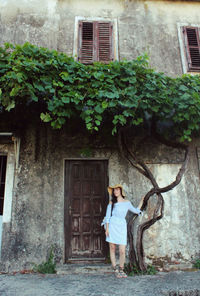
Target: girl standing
<point>116,227</point>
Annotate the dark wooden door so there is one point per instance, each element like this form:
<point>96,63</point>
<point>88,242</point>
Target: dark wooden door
<point>85,204</point>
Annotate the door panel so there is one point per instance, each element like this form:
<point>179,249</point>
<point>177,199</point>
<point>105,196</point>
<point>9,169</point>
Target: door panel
<point>85,203</point>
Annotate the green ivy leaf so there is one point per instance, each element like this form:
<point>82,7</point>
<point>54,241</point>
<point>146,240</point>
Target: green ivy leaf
<point>65,100</point>
<point>45,117</point>
<point>88,119</point>
<point>14,91</point>
<point>104,104</point>
<point>183,88</point>
<point>99,109</point>
<point>10,106</point>
<point>97,122</point>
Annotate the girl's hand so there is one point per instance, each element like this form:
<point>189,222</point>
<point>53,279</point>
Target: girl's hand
<point>107,232</point>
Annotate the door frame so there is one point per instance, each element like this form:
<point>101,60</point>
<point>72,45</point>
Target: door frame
<point>8,151</point>
<point>67,224</point>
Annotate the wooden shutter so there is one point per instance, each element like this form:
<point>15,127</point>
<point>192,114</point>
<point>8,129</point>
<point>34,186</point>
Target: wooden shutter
<point>86,42</point>
<point>192,46</point>
<point>105,41</point>
<point>95,42</point>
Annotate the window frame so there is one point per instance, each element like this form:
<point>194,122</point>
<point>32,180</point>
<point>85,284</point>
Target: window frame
<point>78,19</point>
<point>184,47</point>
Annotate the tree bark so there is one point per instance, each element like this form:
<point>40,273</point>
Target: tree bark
<point>137,256</point>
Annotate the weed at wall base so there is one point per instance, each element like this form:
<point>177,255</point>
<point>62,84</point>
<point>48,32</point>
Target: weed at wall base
<point>46,267</point>
<point>197,264</point>
<point>132,270</point>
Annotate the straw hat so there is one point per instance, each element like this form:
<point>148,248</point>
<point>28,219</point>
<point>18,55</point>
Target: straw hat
<point>110,189</point>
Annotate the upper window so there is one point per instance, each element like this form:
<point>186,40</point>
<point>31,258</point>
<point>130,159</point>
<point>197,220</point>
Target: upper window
<point>191,36</point>
<point>95,40</point>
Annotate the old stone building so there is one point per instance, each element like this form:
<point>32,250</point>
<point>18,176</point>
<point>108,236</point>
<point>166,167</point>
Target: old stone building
<point>52,192</point>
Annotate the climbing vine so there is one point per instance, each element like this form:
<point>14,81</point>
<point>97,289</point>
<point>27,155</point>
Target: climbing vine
<point>128,93</point>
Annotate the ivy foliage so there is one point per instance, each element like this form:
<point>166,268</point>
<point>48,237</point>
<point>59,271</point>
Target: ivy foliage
<point>125,93</point>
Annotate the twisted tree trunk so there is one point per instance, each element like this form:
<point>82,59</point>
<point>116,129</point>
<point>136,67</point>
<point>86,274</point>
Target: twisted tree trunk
<point>136,256</point>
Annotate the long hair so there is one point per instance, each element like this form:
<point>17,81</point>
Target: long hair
<point>114,199</point>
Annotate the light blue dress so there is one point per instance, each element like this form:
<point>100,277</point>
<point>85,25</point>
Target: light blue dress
<point>117,222</point>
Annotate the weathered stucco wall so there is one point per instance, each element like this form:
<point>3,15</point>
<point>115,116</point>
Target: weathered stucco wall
<point>37,221</point>
<point>149,26</point>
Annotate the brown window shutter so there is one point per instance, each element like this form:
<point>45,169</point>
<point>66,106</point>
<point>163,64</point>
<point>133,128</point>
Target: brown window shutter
<point>192,45</point>
<point>95,42</point>
<point>86,42</point>
<point>105,35</point>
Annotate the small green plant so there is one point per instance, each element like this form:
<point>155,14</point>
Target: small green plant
<point>197,264</point>
<point>132,269</point>
<point>151,270</point>
<point>46,267</point>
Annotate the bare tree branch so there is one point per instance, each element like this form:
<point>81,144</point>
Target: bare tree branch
<point>136,256</point>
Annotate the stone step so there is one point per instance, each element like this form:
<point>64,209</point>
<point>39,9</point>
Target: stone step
<point>100,268</point>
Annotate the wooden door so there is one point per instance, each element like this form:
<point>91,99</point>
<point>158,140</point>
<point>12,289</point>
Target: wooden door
<point>85,205</point>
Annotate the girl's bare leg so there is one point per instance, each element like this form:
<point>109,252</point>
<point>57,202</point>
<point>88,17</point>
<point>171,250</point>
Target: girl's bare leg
<point>122,252</point>
<point>112,254</point>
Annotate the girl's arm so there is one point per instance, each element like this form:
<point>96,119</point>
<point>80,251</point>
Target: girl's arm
<point>133,209</point>
<point>106,219</point>
<point>107,229</point>
<point>108,213</point>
